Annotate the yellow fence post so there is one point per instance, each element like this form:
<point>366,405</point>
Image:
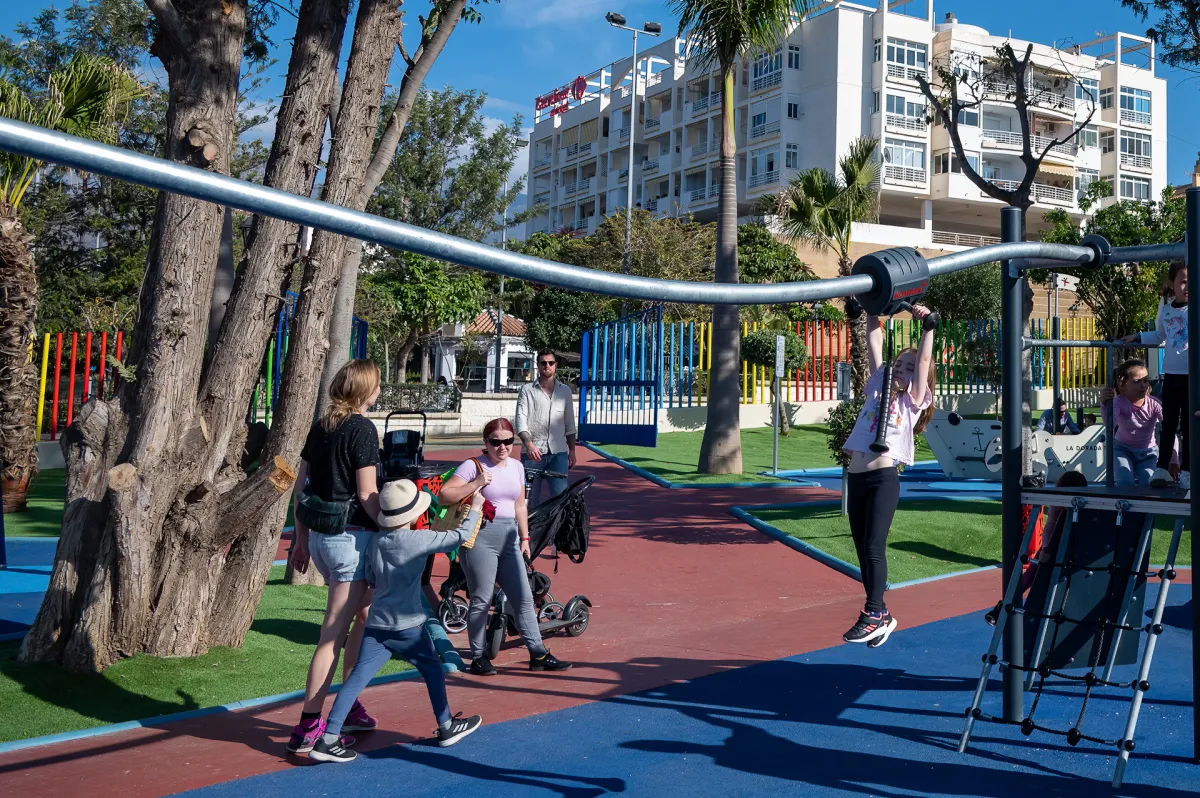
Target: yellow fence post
<point>42,387</point>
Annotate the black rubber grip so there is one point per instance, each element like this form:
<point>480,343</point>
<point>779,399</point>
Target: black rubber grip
<point>879,445</point>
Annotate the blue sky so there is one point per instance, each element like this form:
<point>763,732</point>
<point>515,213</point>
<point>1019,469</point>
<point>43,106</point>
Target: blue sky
<point>525,47</point>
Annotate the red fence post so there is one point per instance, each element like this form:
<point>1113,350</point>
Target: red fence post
<point>117,354</point>
<point>87,367</point>
<point>57,374</point>
<point>103,364</point>
<point>71,378</point>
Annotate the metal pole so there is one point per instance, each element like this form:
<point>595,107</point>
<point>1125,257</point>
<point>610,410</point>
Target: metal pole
<point>1110,429</point>
<point>1193,269</point>
<point>775,454</point>
<point>633,96</point>
<point>1057,369</point>
<point>500,300</point>
<point>1012,229</point>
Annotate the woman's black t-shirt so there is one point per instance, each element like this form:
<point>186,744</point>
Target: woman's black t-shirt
<point>334,458</point>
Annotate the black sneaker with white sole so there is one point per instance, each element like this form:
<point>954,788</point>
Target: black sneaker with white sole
<point>867,628</point>
<point>459,728</point>
<point>331,752</point>
<point>889,626</point>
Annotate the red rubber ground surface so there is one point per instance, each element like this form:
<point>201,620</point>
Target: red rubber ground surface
<point>681,589</point>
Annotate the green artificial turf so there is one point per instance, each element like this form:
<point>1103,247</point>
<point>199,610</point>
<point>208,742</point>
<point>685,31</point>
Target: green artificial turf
<point>45,699</point>
<point>929,537</point>
<point>675,457</point>
<point>43,514</point>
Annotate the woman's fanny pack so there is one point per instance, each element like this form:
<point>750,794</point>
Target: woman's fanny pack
<point>326,518</point>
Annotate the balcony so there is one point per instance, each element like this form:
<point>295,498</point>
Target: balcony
<point>766,81</point>
<point>654,79</point>
<point>621,173</point>
<point>653,123</point>
<point>1129,117</point>
<point>762,179</point>
<point>624,133</point>
<point>568,189</point>
<point>1039,144</point>
<point>764,130</point>
<point>903,174</point>
<point>649,166</point>
<point>542,162</point>
<point>698,195</point>
<point>583,185</point>
<point>714,191</point>
<point>698,150</point>
<point>541,198</point>
<point>575,150</point>
<point>963,239</point>
<point>910,124</point>
<point>1142,162</point>
<point>652,206</point>
<point>1041,192</point>
<point>702,104</point>
<point>905,72</point>
<point>1040,96</point>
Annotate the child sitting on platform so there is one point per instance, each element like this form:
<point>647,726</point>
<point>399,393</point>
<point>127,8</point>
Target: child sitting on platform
<point>396,624</point>
<point>1135,415</point>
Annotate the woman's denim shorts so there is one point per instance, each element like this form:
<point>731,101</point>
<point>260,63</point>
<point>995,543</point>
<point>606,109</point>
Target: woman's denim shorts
<point>341,557</point>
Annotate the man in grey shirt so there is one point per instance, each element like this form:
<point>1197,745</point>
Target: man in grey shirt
<point>546,426</point>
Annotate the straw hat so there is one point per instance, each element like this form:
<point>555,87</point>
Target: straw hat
<point>400,503</point>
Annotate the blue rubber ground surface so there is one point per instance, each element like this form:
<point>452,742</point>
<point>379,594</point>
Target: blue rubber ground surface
<point>23,582</point>
<point>843,721</point>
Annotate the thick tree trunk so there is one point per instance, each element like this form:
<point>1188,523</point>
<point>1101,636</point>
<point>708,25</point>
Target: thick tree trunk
<point>403,355</point>
<point>721,449</point>
<point>423,59</point>
<point>860,367</point>
<point>18,374</point>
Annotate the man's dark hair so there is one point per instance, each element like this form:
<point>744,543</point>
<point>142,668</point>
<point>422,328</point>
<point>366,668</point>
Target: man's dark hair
<point>543,352</point>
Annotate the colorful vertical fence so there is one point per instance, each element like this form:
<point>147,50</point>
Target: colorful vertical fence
<point>621,380</point>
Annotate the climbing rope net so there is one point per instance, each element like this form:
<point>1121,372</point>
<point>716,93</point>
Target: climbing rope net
<point>1112,618</point>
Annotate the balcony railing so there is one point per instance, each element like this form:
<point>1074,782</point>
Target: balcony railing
<point>1135,117</point>
<point>1136,161</point>
<point>1040,192</point>
<point>763,178</point>
<point>1038,143</point>
<point>698,194</point>
<point>963,239</point>
<point>541,198</point>
<point>583,185</point>
<point>765,129</point>
<point>702,103</point>
<point>568,189</point>
<point>912,123</point>
<point>654,79</point>
<point>653,123</point>
<point>904,174</point>
<point>652,206</point>
<point>542,163</point>
<point>649,166</point>
<point>905,72</point>
<point>624,133</point>
<point>1043,96</point>
<point>714,191</point>
<point>767,81</point>
<point>575,150</point>
<point>698,150</point>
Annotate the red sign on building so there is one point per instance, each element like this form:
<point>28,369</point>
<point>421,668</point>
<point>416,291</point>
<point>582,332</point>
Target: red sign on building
<point>560,99</point>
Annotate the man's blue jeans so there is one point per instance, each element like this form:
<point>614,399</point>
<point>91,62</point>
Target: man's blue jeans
<point>546,488</point>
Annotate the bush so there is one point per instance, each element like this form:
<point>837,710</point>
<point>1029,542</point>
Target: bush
<point>759,348</point>
<point>841,423</point>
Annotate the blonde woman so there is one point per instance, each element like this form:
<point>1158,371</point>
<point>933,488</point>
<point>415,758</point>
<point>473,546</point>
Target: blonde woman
<point>336,503</point>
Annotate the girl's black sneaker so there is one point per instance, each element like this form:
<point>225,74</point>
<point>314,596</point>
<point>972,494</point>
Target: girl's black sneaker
<point>331,752</point>
<point>889,626</point>
<point>459,728</point>
<point>547,662</point>
<point>869,627</point>
<point>483,667</point>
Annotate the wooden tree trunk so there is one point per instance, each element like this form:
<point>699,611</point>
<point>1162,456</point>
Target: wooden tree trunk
<point>860,367</point>
<point>18,374</point>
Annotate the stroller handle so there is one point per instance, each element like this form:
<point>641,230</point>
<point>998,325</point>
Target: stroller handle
<point>421,413</point>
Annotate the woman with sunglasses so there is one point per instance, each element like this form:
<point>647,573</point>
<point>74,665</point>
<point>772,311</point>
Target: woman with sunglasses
<point>500,547</point>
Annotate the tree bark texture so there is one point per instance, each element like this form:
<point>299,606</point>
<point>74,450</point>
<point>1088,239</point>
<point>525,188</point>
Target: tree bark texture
<point>721,448</point>
<point>436,33</point>
<point>18,374</point>
<point>860,367</point>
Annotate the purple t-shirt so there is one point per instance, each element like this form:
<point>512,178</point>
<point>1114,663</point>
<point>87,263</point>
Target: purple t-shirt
<point>508,480</point>
<point>904,415</point>
<point>1135,425</point>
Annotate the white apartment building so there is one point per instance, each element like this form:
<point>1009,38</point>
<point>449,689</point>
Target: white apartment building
<point>850,70</point>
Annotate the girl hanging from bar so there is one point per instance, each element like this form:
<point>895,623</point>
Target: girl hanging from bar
<point>899,404</point>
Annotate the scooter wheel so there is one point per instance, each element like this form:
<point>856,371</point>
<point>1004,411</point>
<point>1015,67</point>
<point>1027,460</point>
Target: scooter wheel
<point>550,612</point>
<point>580,619</point>
<point>452,612</point>
<point>495,637</point>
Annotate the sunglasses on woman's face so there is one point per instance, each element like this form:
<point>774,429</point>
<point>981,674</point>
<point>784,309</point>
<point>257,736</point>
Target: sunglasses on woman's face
<point>497,442</point>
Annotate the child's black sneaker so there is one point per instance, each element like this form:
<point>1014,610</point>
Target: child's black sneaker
<point>482,667</point>
<point>889,626</point>
<point>869,627</point>
<point>993,615</point>
<point>331,752</point>
<point>548,662</point>
<point>459,728</point>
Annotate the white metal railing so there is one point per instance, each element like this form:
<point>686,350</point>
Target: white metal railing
<point>913,123</point>
<point>585,148</point>
<point>702,103</point>
<point>699,149</point>
<point>621,173</point>
<point>568,188</point>
<point>624,133</point>
<point>905,72</point>
<point>650,165</point>
<point>698,194</point>
<point>652,205</point>
<point>1044,193</point>
<point>1136,161</point>
<point>1043,96</point>
<point>765,129</point>
<point>542,197</point>
<point>540,163</point>
<point>625,91</point>
<point>1037,143</point>
<point>963,239</point>
<point>714,191</point>
<point>904,174</point>
<point>763,178</point>
<point>583,185</point>
<point>653,123</point>
<point>654,79</point>
<point>766,81</point>
<point>570,151</point>
<point>1135,117</point>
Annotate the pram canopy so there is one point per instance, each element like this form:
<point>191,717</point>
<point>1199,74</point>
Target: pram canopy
<point>563,521</point>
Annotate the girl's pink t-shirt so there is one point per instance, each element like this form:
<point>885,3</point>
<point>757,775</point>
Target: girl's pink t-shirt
<point>508,479</point>
<point>903,417</point>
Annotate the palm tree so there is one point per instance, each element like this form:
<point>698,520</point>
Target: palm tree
<point>820,208</point>
<point>720,32</point>
<point>86,98</point>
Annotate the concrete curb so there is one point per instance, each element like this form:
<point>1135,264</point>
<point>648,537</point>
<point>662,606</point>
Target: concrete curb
<point>662,483</point>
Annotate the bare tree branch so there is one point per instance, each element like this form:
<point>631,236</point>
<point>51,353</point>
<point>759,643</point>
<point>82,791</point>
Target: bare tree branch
<point>170,24</point>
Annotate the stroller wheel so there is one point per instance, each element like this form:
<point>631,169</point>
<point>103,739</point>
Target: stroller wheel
<point>550,612</point>
<point>452,612</point>
<point>495,636</point>
<point>580,626</point>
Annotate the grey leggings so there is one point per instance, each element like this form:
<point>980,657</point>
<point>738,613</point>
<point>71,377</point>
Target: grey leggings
<point>496,557</point>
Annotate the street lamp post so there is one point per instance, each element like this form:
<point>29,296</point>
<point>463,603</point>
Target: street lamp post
<point>520,144</point>
<point>650,29</point>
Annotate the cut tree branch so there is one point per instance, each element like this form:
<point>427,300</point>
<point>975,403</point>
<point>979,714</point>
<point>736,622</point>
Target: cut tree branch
<point>170,24</point>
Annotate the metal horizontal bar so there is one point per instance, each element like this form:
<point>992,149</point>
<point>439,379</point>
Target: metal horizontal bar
<point>157,173</point>
<point>1163,504</point>
<point>1030,343</point>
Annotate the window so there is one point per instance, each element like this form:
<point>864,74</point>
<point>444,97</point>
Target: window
<point>874,102</point>
<point>791,156</point>
<point>767,63</point>
<point>1135,144</point>
<point>1087,89</point>
<point>902,106</point>
<point>1135,188</point>
<point>793,108</point>
<point>1135,105</point>
<point>947,161</point>
<point>912,54</point>
<point>1106,98</point>
<point>762,162</point>
<point>877,48</point>
<point>1084,178</point>
<point>1108,141</point>
<point>793,56</point>
<point>758,119</point>
<point>968,117</point>
<point>1089,137</point>
<point>898,152</point>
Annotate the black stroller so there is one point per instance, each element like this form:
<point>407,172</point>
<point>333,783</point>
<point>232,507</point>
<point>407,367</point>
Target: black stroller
<point>403,452</point>
<point>566,512</point>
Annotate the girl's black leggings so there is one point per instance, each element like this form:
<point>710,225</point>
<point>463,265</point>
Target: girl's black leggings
<point>1175,415</point>
<point>873,499</point>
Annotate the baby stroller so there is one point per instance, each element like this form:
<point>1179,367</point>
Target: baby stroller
<point>557,519</point>
<point>403,452</point>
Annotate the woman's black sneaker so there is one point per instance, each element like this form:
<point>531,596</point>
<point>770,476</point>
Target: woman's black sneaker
<point>331,752</point>
<point>483,667</point>
<point>993,615</point>
<point>459,728</point>
<point>869,627</point>
<point>548,662</point>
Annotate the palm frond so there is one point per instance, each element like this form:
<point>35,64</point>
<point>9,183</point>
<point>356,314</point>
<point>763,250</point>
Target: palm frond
<point>720,31</point>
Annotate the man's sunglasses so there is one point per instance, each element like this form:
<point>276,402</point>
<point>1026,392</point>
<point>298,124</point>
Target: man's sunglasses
<point>498,442</point>
<point>547,362</point>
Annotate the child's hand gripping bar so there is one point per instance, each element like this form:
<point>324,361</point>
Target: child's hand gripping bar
<point>879,445</point>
